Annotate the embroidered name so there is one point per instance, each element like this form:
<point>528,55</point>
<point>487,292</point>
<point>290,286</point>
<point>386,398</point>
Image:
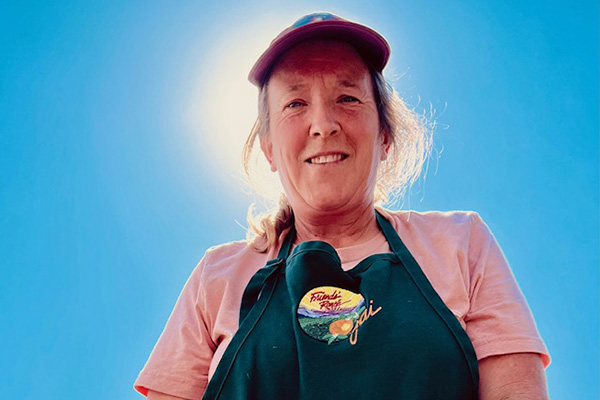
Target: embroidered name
<point>364,316</point>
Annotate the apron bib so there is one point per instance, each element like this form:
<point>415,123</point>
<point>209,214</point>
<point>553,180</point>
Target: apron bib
<point>309,330</point>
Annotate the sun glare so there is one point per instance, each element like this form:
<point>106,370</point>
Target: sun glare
<point>224,103</point>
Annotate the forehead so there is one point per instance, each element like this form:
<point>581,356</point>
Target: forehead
<point>318,58</point>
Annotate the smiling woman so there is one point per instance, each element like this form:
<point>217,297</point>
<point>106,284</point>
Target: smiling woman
<point>334,288</point>
<point>324,136</point>
<point>403,134</point>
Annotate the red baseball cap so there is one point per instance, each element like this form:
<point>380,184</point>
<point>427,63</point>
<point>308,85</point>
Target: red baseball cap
<point>372,47</point>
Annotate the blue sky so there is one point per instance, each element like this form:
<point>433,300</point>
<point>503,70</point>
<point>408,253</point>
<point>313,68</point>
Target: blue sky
<point>121,128</point>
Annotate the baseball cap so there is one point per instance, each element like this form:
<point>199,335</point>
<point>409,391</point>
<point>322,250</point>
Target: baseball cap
<point>373,47</point>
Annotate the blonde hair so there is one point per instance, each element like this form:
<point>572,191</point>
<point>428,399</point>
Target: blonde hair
<point>410,143</point>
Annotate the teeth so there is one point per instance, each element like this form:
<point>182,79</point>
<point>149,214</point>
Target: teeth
<point>326,159</point>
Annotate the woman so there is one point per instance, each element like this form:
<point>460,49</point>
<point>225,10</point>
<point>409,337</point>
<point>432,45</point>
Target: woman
<point>335,298</point>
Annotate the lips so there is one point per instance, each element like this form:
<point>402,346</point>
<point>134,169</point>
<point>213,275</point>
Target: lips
<point>327,158</point>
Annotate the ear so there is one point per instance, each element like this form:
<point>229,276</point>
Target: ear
<point>385,145</point>
<point>267,148</point>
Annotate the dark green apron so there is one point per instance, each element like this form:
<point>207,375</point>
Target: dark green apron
<point>310,330</point>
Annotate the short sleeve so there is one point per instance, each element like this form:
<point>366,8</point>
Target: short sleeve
<point>499,320</point>
<point>181,358</point>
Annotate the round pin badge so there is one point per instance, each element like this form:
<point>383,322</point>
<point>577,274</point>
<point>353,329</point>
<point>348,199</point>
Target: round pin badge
<point>329,313</point>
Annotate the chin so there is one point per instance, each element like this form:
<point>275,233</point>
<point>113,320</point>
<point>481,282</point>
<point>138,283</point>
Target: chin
<point>329,198</point>
<point>331,203</point>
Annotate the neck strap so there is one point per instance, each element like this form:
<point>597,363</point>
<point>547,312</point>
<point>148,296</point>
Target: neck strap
<point>390,234</point>
<point>386,227</point>
<point>286,246</point>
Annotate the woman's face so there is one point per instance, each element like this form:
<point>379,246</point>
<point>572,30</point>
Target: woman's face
<point>323,137</point>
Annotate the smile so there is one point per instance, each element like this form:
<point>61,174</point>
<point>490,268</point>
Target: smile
<point>327,159</point>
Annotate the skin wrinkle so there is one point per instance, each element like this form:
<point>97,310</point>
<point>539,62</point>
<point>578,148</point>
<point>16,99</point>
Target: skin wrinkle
<point>363,233</point>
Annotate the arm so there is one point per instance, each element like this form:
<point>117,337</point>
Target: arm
<point>512,376</point>
<point>512,356</point>
<point>181,358</point>
<point>152,395</point>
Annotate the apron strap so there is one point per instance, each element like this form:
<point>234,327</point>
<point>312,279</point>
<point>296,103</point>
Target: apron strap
<point>255,286</point>
<point>246,327</point>
<point>257,282</point>
<point>286,246</point>
<point>422,282</point>
<point>390,234</point>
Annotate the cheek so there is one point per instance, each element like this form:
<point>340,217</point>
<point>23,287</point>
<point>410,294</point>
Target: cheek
<point>365,136</point>
<point>287,142</point>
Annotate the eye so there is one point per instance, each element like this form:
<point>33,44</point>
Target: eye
<point>348,99</point>
<point>295,104</point>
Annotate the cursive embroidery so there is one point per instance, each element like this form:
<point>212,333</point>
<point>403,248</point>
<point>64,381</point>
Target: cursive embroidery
<point>364,316</point>
<point>326,301</point>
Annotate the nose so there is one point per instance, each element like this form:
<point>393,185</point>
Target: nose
<point>323,121</point>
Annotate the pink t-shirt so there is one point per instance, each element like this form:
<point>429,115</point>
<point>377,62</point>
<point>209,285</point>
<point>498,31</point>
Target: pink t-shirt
<point>456,251</point>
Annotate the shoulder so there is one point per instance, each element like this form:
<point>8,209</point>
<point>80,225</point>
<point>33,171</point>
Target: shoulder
<point>229,259</point>
<point>445,235</point>
<point>433,216</point>
<point>226,251</point>
<point>434,223</point>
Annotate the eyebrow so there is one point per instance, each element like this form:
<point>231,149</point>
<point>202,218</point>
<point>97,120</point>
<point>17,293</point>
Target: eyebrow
<point>347,83</point>
<point>296,87</point>
<point>343,82</point>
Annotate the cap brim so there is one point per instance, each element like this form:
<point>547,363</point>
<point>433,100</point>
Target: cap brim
<point>370,45</point>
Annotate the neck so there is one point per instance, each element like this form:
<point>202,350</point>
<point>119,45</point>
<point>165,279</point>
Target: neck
<point>338,230</point>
